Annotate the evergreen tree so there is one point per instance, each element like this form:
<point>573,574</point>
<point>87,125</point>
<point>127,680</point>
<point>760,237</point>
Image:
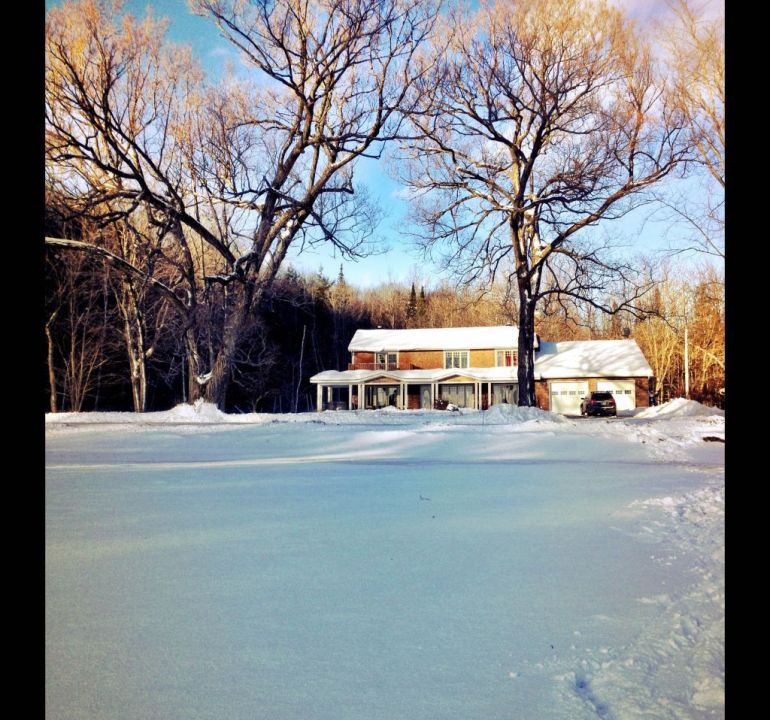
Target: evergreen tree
<point>422,308</point>
<point>411,308</point>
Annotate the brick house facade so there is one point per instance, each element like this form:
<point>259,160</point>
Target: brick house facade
<point>476,368</point>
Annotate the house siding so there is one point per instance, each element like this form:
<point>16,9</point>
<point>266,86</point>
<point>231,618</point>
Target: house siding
<point>434,359</point>
<point>362,357</point>
<point>429,359</point>
<point>482,358</point>
<point>422,359</point>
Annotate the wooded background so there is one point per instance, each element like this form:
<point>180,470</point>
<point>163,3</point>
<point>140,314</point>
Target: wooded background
<point>522,132</point>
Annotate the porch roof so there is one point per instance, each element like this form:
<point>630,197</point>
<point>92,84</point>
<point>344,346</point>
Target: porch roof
<point>353,377</point>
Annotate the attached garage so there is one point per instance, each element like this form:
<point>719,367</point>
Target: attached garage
<point>624,392</point>
<point>566,397</point>
<point>565,372</point>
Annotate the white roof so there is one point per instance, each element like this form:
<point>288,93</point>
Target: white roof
<point>351,377</point>
<point>591,358</point>
<point>569,359</point>
<point>461,338</point>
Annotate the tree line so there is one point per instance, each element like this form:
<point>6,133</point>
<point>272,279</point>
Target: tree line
<point>517,128</point>
<point>98,359</point>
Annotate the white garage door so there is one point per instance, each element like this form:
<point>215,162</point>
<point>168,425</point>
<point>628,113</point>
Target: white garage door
<point>566,397</point>
<point>622,390</point>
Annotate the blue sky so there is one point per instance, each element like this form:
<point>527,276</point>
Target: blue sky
<point>398,260</point>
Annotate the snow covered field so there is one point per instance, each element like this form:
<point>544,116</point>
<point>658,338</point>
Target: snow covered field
<point>385,565</point>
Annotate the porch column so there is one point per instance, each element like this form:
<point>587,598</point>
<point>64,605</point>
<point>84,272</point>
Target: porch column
<point>319,397</point>
<point>403,396</point>
<point>329,395</point>
<point>361,399</point>
<point>350,397</point>
<point>489,394</point>
<point>432,395</point>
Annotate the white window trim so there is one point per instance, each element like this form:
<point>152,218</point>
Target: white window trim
<point>386,353</point>
<point>453,367</point>
<point>507,349</point>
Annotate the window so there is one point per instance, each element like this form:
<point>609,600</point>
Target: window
<point>456,358</point>
<point>386,361</point>
<point>505,393</point>
<point>380,396</point>
<point>507,358</point>
<point>460,395</point>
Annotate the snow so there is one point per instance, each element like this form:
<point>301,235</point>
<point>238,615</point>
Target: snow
<point>385,564</point>
<point>345,377</point>
<point>591,358</point>
<point>461,338</point>
<point>203,413</point>
<point>680,407</point>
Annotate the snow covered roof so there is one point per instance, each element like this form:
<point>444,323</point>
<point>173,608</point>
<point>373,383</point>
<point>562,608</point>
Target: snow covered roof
<point>591,358</point>
<point>351,377</point>
<point>461,338</point>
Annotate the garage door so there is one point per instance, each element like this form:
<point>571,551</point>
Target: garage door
<point>566,397</point>
<point>622,390</point>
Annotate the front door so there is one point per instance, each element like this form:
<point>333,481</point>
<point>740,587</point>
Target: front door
<point>425,397</point>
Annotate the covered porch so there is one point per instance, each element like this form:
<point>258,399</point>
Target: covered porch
<point>475,389</point>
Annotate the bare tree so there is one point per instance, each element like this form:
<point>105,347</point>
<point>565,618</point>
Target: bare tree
<point>544,118</point>
<point>337,76</point>
<point>77,330</point>
<point>694,50</point>
<point>117,101</point>
<point>686,309</point>
<point>248,168</point>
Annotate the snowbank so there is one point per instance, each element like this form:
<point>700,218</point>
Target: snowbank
<point>680,422</point>
<point>505,414</point>
<point>679,408</point>
<point>199,412</point>
<point>207,414</point>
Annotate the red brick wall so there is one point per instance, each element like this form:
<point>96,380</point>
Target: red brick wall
<point>542,395</point>
<point>362,357</point>
<point>413,397</point>
<point>642,395</point>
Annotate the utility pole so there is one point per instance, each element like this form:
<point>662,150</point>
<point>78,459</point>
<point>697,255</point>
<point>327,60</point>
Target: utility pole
<point>686,364</point>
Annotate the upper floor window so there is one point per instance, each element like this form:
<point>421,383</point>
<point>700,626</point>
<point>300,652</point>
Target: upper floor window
<point>386,361</point>
<point>456,358</point>
<point>507,358</point>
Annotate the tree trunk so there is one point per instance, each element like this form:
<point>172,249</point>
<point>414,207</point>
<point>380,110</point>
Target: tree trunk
<point>51,370</point>
<point>192,359</point>
<point>215,388</point>
<point>134,334</point>
<point>526,373</point>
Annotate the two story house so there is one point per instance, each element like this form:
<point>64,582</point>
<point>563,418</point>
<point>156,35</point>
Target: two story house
<point>477,367</point>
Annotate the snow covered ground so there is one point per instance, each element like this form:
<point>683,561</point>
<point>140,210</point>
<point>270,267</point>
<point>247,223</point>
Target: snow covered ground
<point>385,565</point>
